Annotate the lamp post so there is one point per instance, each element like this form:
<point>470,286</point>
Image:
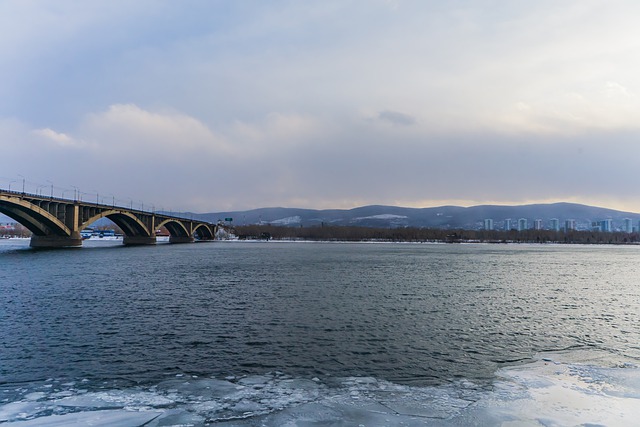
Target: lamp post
<point>76,193</point>
<point>51,188</point>
<point>11,182</point>
<point>23,180</point>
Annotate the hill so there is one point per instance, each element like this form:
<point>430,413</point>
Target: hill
<point>447,217</point>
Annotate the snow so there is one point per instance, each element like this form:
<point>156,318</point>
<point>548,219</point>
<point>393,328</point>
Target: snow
<point>381,217</point>
<point>287,221</point>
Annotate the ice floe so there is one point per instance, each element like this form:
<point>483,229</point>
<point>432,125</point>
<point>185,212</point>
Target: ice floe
<point>552,391</point>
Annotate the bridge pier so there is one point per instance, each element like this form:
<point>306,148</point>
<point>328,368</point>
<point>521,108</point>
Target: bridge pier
<point>55,241</point>
<point>181,239</point>
<point>139,240</point>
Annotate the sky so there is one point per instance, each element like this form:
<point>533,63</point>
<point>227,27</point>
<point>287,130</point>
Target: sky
<point>209,106</point>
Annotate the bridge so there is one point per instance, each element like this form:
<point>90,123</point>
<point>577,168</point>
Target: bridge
<point>57,222</point>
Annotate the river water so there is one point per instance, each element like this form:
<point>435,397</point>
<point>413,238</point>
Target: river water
<point>317,334</point>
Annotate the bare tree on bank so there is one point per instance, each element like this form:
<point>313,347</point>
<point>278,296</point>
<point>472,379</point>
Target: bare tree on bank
<point>412,234</point>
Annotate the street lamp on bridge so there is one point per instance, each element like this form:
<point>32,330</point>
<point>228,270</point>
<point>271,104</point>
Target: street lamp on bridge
<point>51,188</point>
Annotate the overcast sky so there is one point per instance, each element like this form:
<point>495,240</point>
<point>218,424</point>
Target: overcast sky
<point>208,105</point>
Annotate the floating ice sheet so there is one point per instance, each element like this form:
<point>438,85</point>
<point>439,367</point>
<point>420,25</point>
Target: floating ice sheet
<point>553,393</point>
<point>556,390</point>
<point>108,418</point>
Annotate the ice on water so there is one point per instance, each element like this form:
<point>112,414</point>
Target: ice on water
<point>111,418</point>
<point>553,391</point>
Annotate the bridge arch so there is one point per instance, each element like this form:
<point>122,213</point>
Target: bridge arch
<point>204,232</point>
<point>129,223</point>
<point>37,220</point>
<point>175,228</point>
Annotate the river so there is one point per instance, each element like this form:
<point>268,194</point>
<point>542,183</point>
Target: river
<point>310,334</point>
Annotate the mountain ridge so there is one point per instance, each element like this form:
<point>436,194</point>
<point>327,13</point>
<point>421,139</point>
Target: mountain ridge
<point>448,216</point>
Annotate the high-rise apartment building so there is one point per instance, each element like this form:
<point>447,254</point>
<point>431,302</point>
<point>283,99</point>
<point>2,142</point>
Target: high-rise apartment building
<point>522,224</point>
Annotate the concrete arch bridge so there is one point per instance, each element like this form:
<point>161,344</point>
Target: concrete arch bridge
<point>57,222</point>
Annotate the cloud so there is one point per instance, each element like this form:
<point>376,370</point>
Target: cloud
<point>396,118</point>
<point>448,65</point>
<point>174,161</point>
<point>127,128</point>
<point>237,105</point>
<point>275,131</point>
<point>156,155</point>
<point>613,90</point>
<point>61,139</point>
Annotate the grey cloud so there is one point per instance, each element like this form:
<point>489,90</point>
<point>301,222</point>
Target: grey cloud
<point>396,118</point>
<point>353,165</point>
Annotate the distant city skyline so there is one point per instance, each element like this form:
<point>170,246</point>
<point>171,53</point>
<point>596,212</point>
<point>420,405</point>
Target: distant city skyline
<point>522,224</point>
<point>214,105</point>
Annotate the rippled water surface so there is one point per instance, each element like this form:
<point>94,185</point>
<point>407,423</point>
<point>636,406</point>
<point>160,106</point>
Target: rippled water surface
<point>411,314</point>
